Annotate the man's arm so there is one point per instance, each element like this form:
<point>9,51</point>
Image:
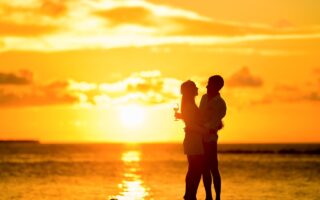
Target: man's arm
<point>197,129</point>
<point>218,113</point>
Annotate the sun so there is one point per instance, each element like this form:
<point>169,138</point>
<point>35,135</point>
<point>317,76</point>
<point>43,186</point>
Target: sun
<point>132,115</point>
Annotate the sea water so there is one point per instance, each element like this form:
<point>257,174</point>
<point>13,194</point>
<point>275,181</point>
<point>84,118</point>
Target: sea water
<point>154,171</point>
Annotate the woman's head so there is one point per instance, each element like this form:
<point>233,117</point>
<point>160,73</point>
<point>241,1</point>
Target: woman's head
<point>189,89</point>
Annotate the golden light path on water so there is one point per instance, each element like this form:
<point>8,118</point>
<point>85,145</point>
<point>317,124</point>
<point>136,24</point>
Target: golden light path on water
<point>132,185</point>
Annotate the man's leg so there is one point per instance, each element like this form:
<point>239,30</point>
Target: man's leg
<point>215,171</point>
<point>216,181</point>
<point>213,162</point>
<point>206,175</point>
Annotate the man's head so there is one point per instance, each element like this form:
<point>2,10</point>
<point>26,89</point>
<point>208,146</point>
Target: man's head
<point>215,83</point>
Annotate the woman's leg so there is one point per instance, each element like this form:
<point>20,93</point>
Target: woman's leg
<point>195,168</point>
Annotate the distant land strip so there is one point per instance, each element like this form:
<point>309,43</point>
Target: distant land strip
<point>282,151</point>
<point>20,141</point>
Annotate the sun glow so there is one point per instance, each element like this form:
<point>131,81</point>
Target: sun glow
<point>132,115</point>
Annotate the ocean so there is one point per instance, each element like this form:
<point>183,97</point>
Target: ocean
<point>154,171</point>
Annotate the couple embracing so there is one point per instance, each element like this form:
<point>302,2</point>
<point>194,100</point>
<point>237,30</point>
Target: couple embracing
<point>200,143</point>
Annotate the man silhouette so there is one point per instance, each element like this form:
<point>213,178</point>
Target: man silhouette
<point>213,109</point>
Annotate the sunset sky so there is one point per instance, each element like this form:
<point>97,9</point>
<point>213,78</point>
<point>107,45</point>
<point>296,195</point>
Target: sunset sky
<point>110,70</point>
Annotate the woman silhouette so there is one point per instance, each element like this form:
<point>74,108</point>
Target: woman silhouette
<point>193,142</point>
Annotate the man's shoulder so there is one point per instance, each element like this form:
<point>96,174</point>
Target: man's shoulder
<point>203,101</point>
<point>204,97</point>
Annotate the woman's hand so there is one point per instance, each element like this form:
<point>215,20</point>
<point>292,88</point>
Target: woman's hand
<point>178,115</point>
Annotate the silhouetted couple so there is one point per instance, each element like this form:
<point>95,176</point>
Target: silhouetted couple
<point>200,143</point>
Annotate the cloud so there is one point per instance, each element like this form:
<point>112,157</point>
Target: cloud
<point>244,78</point>
<point>52,8</point>
<point>283,23</point>
<point>1,44</point>
<point>285,98</point>
<point>285,93</point>
<point>173,24</point>
<point>313,96</point>
<point>26,30</point>
<point>19,89</point>
<point>317,71</point>
<point>31,20</point>
<point>146,87</point>
<point>179,25</point>
<point>145,82</point>
<point>219,28</point>
<point>23,78</point>
<point>38,8</point>
<point>52,94</point>
<point>127,15</point>
<point>192,27</point>
<point>252,51</point>
<point>290,94</point>
<point>52,25</point>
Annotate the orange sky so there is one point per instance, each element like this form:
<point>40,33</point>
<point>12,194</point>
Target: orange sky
<point>76,71</point>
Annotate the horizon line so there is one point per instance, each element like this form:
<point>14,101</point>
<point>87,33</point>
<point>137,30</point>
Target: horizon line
<point>139,143</point>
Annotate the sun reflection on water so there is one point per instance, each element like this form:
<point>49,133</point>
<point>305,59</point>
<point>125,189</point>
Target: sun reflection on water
<point>132,185</point>
<point>130,156</point>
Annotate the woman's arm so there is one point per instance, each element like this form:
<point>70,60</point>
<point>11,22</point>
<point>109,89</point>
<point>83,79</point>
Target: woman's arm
<point>194,124</point>
<point>193,120</point>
